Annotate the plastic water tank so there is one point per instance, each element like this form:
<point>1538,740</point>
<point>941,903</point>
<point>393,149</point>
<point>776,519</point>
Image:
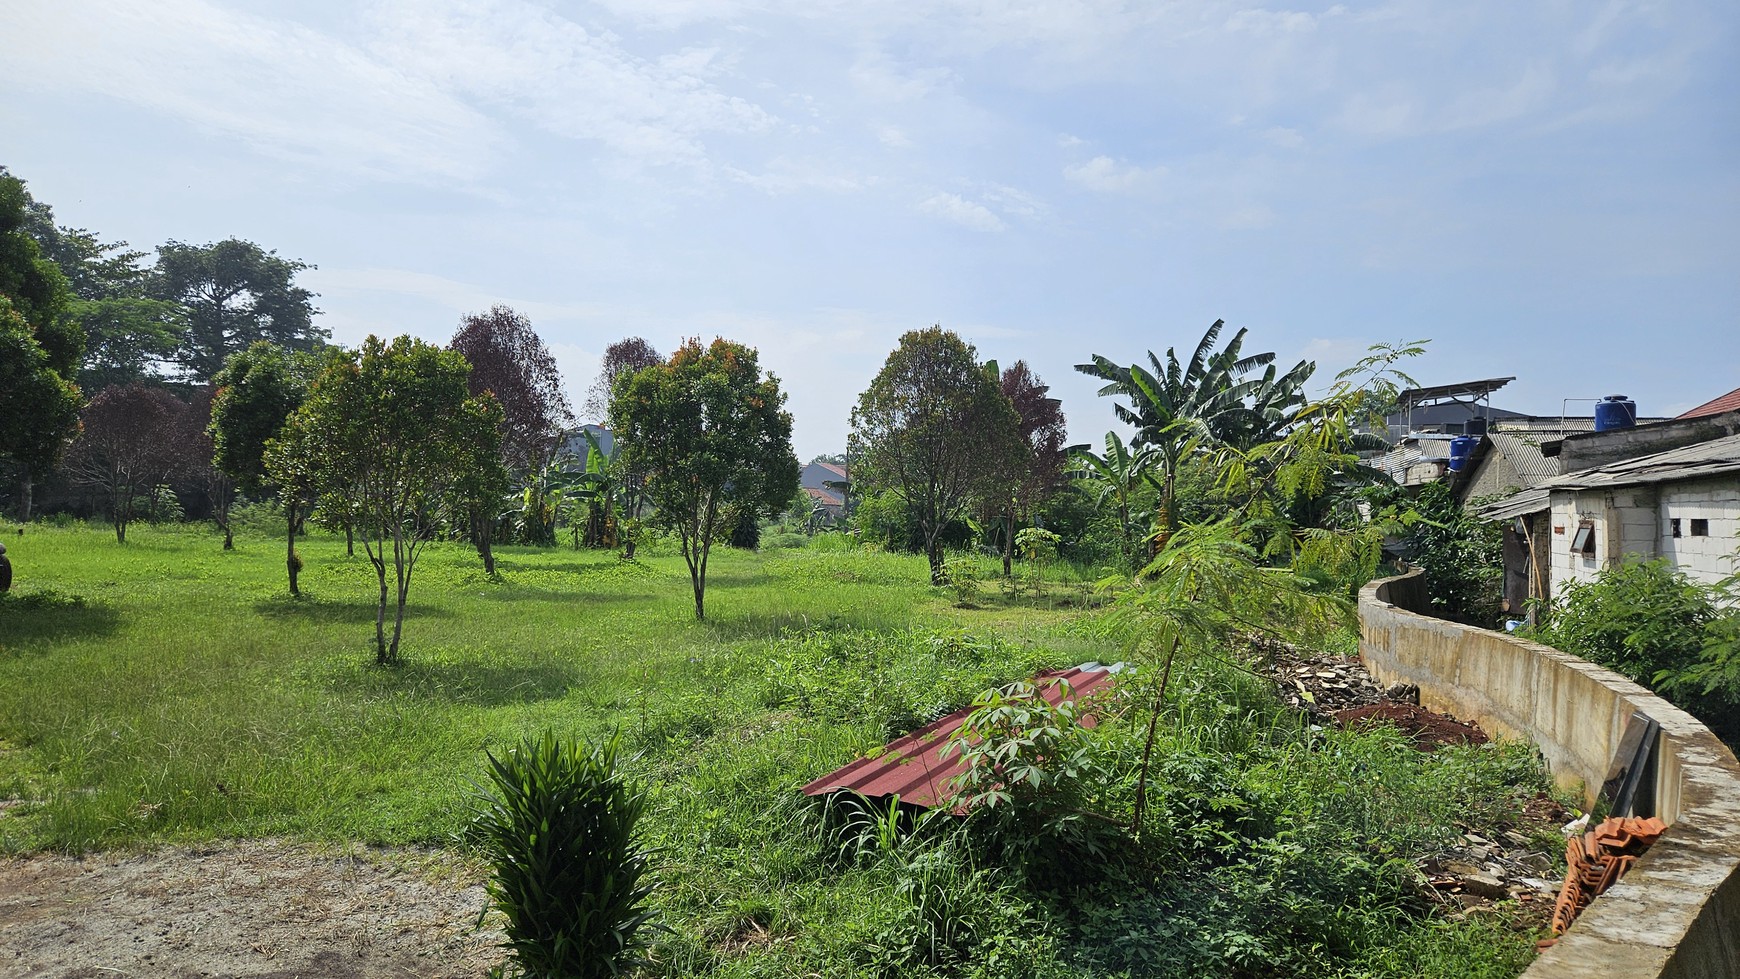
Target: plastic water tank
<point>1461,450</point>
<point>1615,411</point>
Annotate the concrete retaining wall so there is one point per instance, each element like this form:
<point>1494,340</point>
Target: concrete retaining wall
<point>1677,913</point>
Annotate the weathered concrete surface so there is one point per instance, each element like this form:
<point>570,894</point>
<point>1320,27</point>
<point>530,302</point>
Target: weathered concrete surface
<point>1677,913</point>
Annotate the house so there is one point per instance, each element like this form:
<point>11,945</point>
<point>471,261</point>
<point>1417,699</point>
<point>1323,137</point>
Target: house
<point>575,447</point>
<point>1680,503</point>
<point>1510,457</point>
<point>829,485</point>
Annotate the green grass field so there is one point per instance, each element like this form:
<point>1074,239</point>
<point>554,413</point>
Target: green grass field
<point>170,691</point>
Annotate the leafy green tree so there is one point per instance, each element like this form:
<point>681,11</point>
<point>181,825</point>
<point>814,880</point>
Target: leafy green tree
<point>1116,477</point>
<point>41,344</point>
<point>257,390</point>
<point>125,332</point>
<point>936,429</point>
<point>233,293</point>
<point>711,435</point>
<point>391,443</point>
<point>1178,407</point>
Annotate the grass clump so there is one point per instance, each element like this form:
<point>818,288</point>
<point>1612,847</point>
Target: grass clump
<point>559,824</point>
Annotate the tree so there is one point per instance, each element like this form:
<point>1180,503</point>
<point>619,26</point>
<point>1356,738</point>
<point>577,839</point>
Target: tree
<point>392,444</point>
<point>933,427</point>
<point>199,464</point>
<point>41,347</point>
<point>124,331</point>
<point>1038,469</point>
<point>620,358</point>
<point>1178,408</point>
<point>128,447</point>
<point>510,361</point>
<point>257,390</point>
<point>233,293</point>
<point>710,433</point>
<point>1116,476</point>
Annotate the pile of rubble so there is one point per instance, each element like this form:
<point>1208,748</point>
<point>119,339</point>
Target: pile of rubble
<point>1512,862</point>
<point>1337,690</point>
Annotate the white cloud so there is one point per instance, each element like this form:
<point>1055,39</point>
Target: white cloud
<point>1106,175</point>
<point>893,136</point>
<point>567,79</point>
<point>784,176</point>
<point>285,89</point>
<point>953,207</point>
<point>1283,137</point>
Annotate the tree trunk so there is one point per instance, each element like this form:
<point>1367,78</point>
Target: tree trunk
<point>349,542</point>
<point>1009,543</point>
<point>402,574</point>
<point>229,537</point>
<point>933,552</point>
<point>292,563</point>
<point>380,563</point>
<point>25,492</point>
<point>482,534</point>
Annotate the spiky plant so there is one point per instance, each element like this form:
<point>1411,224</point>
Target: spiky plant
<point>558,822</point>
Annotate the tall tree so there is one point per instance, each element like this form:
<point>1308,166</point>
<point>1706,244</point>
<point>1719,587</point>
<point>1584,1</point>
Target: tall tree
<point>199,463</point>
<point>1038,468</point>
<point>256,392</point>
<point>129,445</point>
<point>934,427</point>
<point>125,332</point>
<point>392,443</point>
<point>710,433</point>
<point>233,293</point>
<point>620,359</point>
<point>510,361</point>
<point>42,348</point>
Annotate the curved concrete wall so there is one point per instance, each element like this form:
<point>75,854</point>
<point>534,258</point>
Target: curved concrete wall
<point>1677,913</point>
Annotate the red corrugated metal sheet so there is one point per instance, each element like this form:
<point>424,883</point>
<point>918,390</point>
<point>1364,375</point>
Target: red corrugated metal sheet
<point>1727,402</point>
<point>912,766</point>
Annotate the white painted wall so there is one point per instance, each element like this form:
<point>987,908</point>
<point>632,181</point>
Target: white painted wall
<point>1710,558</point>
<point>1636,521</point>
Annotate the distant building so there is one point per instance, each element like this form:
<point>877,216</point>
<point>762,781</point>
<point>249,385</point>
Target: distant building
<point>574,445</point>
<point>828,485</point>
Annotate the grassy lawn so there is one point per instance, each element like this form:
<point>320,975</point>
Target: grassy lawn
<point>170,691</point>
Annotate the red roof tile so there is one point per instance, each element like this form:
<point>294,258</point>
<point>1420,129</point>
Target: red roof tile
<point>1726,403</point>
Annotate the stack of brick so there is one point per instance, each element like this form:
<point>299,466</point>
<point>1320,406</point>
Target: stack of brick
<point>1596,859</point>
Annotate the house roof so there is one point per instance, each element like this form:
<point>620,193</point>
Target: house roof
<point>839,471</point>
<point>1717,457</point>
<point>824,497</point>
<point>1725,403</point>
<point>1477,389</point>
<point>1523,451</point>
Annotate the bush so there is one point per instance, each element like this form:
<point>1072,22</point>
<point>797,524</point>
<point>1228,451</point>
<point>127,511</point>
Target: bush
<point>559,827</point>
<point>1639,618</point>
<point>1462,557</point>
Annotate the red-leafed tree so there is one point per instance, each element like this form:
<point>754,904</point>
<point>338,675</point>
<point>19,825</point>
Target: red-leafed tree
<point>129,446</point>
<point>509,360</point>
<point>620,358</point>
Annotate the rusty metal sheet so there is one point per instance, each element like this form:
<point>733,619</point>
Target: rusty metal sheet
<point>912,765</point>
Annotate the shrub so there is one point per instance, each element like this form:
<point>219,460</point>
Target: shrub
<point>570,871</point>
<point>1639,618</point>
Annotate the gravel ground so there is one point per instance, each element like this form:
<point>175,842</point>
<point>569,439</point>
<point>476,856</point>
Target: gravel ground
<point>261,909</point>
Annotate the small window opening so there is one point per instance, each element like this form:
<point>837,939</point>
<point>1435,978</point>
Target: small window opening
<point>1700,527</point>
<point>1674,526</point>
<point>1584,542</point>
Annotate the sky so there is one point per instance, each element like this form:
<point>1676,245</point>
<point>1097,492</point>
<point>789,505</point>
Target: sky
<point>1549,189</point>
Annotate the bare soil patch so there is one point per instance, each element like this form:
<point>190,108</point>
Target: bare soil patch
<point>258,909</point>
<point>1428,729</point>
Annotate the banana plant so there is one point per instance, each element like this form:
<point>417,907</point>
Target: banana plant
<point>1116,475</point>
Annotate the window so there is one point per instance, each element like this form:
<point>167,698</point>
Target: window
<point>1674,527</point>
<point>1584,542</point>
<point>1700,527</point>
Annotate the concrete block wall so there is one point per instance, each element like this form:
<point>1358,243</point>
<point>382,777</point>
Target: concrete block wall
<point>1708,558</point>
<point>1677,913</point>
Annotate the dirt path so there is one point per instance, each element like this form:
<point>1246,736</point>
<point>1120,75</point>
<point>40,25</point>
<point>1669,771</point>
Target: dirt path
<point>263,909</point>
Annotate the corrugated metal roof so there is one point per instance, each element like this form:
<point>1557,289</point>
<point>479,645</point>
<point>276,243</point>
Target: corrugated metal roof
<point>913,766</point>
<point>1726,403</point>
<point>1517,505</point>
<point>1713,458</point>
<point>1523,451</point>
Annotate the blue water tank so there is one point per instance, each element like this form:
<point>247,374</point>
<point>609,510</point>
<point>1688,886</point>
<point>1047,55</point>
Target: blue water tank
<point>1461,450</point>
<point>1615,411</point>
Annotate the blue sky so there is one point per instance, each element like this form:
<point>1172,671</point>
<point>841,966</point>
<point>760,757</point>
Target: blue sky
<point>1545,189</point>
